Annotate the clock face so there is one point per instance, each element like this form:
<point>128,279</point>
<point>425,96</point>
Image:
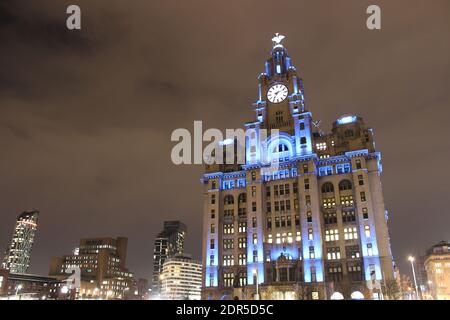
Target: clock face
<point>277,93</point>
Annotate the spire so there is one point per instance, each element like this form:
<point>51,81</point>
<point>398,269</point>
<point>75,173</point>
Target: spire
<point>279,62</point>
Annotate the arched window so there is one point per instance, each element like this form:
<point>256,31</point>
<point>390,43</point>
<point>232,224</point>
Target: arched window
<point>345,185</point>
<point>213,185</point>
<point>229,199</point>
<point>242,198</point>
<point>280,148</point>
<point>327,187</point>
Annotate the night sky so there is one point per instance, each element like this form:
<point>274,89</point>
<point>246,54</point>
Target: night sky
<point>86,116</point>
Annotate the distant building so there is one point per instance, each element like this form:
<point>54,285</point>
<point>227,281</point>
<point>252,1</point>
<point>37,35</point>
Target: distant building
<point>181,278</point>
<point>27,286</point>
<point>102,268</point>
<point>17,258</point>
<point>169,242</point>
<point>437,266</point>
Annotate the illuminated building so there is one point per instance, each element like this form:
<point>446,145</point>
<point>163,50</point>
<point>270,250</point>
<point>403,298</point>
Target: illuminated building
<point>102,268</point>
<point>181,278</point>
<point>305,215</point>
<point>437,266</point>
<point>168,242</point>
<point>18,254</point>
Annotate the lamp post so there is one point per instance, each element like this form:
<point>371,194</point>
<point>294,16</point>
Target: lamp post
<point>411,259</point>
<point>19,287</point>
<point>255,272</point>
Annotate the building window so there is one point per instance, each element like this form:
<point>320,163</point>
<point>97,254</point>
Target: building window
<point>305,168</point>
<point>211,244</point>
<point>331,235</point>
<point>242,259</point>
<point>228,228</point>
<point>287,189</point>
<point>253,191</point>
<point>369,250</point>
<point>228,244</point>
<point>312,255</point>
<point>229,199</point>
<point>275,191</point>
<point>327,187</point>
<point>213,199</point>
<point>329,203</point>
<point>242,227</point>
<point>228,279</point>
<point>352,252</point>
<point>306,184</point>
<point>268,207</point>
<point>278,240</point>
<point>358,164</point>
<point>345,185</point>
<point>242,243</point>
<point>254,223</point>
<point>268,191</point>
<point>365,213</point>
<point>310,234</point>
<point>269,238</point>
<point>255,256</point>
<point>254,206</point>
<point>253,175</point>
<point>211,260</point>
<point>308,216</point>
<point>350,233</point>
<point>367,231</point>
<point>228,213</point>
<point>321,146</point>
<point>347,201</point>
<point>303,140</point>
<point>308,200</point>
<point>295,188</point>
<point>330,218</point>
<point>277,222</point>
<point>242,279</point>
<point>360,179</point>
<point>288,221</point>
<point>228,260</point>
<point>255,238</point>
<point>333,253</point>
<point>302,126</point>
<point>348,216</point>
<point>297,220</point>
<point>277,206</point>
<point>298,236</point>
<point>288,205</point>
<point>213,228</point>
<point>363,196</point>
<point>269,223</point>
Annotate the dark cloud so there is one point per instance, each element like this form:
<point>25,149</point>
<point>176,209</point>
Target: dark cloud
<point>86,116</point>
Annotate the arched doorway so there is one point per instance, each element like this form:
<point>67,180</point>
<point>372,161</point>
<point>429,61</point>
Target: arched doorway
<point>357,295</point>
<point>337,296</point>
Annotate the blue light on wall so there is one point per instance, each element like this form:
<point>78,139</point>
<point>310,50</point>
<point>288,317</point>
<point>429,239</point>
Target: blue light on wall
<point>278,69</point>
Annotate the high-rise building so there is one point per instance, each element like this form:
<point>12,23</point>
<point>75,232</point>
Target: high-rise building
<point>304,216</point>
<point>18,254</point>
<point>181,278</point>
<point>437,266</point>
<point>101,262</point>
<point>168,242</point>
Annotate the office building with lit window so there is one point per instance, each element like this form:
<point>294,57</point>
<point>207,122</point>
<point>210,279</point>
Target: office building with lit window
<point>304,216</point>
<point>101,262</point>
<point>437,266</point>
<point>18,254</point>
<point>168,242</point>
<point>181,278</point>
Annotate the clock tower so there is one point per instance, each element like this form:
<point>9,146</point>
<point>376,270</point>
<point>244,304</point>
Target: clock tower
<point>304,217</point>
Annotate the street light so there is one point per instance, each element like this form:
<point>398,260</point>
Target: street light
<point>19,287</point>
<point>255,273</point>
<point>411,259</point>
